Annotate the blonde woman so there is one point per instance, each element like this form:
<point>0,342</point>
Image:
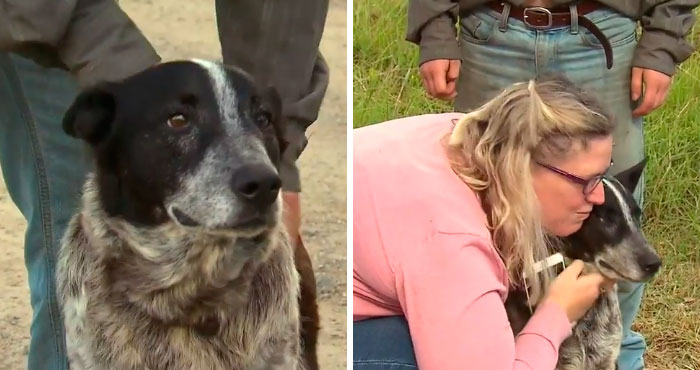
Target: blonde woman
<point>451,209</point>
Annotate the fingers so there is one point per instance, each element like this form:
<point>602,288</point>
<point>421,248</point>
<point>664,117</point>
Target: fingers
<point>648,102</point>
<point>574,269</point>
<point>439,78</point>
<point>636,84</point>
<point>426,72</point>
<point>596,283</point>
<point>595,280</point>
<point>608,284</point>
<point>452,76</point>
<point>656,86</point>
<point>453,71</point>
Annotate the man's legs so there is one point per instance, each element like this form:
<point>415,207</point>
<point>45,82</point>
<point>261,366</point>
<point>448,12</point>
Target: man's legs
<point>278,43</point>
<point>523,54</point>
<point>44,170</point>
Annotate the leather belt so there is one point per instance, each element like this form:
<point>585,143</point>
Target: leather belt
<point>543,18</point>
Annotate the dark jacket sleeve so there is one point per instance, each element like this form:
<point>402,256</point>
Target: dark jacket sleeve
<point>432,25</point>
<point>665,24</point>
<point>94,39</point>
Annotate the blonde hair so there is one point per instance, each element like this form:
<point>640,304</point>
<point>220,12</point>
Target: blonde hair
<point>493,147</point>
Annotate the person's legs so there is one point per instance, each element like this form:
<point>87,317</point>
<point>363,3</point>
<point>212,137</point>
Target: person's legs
<point>277,42</point>
<point>524,53</point>
<point>492,58</point>
<point>581,57</point>
<point>44,170</point>
<point>383,344</point>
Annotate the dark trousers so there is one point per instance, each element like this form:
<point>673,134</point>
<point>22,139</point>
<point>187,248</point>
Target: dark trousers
<point>278,43</point>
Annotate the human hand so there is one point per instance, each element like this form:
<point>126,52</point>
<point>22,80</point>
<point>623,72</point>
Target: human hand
<point>576,293</point>
<point>656,85</point>
<point>439,77</point>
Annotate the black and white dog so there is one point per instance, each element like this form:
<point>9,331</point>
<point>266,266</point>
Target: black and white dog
<point>610,241</point>
<point>178,259</point>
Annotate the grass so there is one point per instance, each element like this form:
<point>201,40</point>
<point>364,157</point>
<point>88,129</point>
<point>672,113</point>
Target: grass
<point>386,85</point>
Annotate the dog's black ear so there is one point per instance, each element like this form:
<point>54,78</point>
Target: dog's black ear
<point>273,104</point>
<point>630,177</point>
<point>90,116</point>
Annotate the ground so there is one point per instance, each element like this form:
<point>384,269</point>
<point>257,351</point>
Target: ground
<point>187,29</point>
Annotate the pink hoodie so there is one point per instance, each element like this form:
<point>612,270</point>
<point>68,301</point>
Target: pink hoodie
<point>421,249</point>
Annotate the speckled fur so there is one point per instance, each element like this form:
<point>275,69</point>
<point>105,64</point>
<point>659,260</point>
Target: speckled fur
<point>168,298</point>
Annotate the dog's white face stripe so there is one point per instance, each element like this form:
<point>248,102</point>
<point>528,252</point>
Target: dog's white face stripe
<point>205,193</point>
<point>624,258</point>
<point>626,211</point>
<point>224,93</point>
<point>227,102</point>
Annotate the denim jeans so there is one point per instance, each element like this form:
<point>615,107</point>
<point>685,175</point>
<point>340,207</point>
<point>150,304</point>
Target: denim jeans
<point>44,170</point>
<point>382,344</point>
<point>497,53</point>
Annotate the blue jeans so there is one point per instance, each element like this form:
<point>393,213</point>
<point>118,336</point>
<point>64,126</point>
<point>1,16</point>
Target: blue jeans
<point>497,53</point>
<point>44,170</point>
<point>382,344</point>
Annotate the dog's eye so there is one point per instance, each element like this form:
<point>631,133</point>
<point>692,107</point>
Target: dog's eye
<point>178,122</point>
<point>262,118</point>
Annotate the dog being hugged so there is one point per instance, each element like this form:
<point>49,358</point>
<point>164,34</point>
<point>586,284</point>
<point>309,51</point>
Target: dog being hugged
<point>177,258</point>
<point>611,242</point>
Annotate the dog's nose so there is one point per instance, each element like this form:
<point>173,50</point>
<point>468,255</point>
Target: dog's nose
<point>257,183</point>
<point>650,263</point>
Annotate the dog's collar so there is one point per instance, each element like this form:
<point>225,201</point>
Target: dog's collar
<point>541,265</point>
<point>550,261</point>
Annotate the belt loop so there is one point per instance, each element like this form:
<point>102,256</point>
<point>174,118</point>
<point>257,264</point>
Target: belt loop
<point>574,18</point>
<point>503,26</point>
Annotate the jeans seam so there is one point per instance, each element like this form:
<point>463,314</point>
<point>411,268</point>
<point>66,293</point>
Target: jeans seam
<point>384,362</point>
<point>45,210</point>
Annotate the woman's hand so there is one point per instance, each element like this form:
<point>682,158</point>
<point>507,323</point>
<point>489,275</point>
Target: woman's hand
<point>576,293</point>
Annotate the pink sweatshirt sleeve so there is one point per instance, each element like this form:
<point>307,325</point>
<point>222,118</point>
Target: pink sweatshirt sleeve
<point>452,292</point>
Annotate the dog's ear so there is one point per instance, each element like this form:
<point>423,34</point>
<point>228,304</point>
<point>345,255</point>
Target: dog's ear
<point>91,115</point>
<point>273,104</point>
<point>630,177</point>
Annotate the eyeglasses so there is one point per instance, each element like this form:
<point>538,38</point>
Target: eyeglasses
<point>588,184</point>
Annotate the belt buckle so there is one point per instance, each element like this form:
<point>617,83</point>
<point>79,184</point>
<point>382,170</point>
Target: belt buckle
<point>537,10</point>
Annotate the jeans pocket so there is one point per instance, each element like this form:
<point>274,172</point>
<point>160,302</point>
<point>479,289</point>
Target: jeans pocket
<point>477,27</point>
<point>617,28</point>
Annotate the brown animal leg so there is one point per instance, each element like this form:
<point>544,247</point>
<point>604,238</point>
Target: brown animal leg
<point>310,324</point>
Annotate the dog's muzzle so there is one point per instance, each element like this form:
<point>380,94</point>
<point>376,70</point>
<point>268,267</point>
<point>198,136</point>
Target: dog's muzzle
<point>184,219</point>
<point>258,185</point>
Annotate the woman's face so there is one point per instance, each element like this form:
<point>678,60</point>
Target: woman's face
<point>562,200</point>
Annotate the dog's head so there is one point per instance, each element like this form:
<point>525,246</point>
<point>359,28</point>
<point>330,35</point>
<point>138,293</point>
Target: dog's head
<point>189,142</point>
<point>611,238</point>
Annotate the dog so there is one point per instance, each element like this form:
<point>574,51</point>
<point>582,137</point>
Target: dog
<point>611,242</point>
<point>177,258</point>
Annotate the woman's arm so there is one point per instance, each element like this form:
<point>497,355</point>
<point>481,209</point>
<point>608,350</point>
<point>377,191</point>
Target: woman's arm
<point>452,290</point>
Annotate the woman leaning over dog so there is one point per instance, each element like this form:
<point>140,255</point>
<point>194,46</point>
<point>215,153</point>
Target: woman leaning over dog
<point>447,216</point>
